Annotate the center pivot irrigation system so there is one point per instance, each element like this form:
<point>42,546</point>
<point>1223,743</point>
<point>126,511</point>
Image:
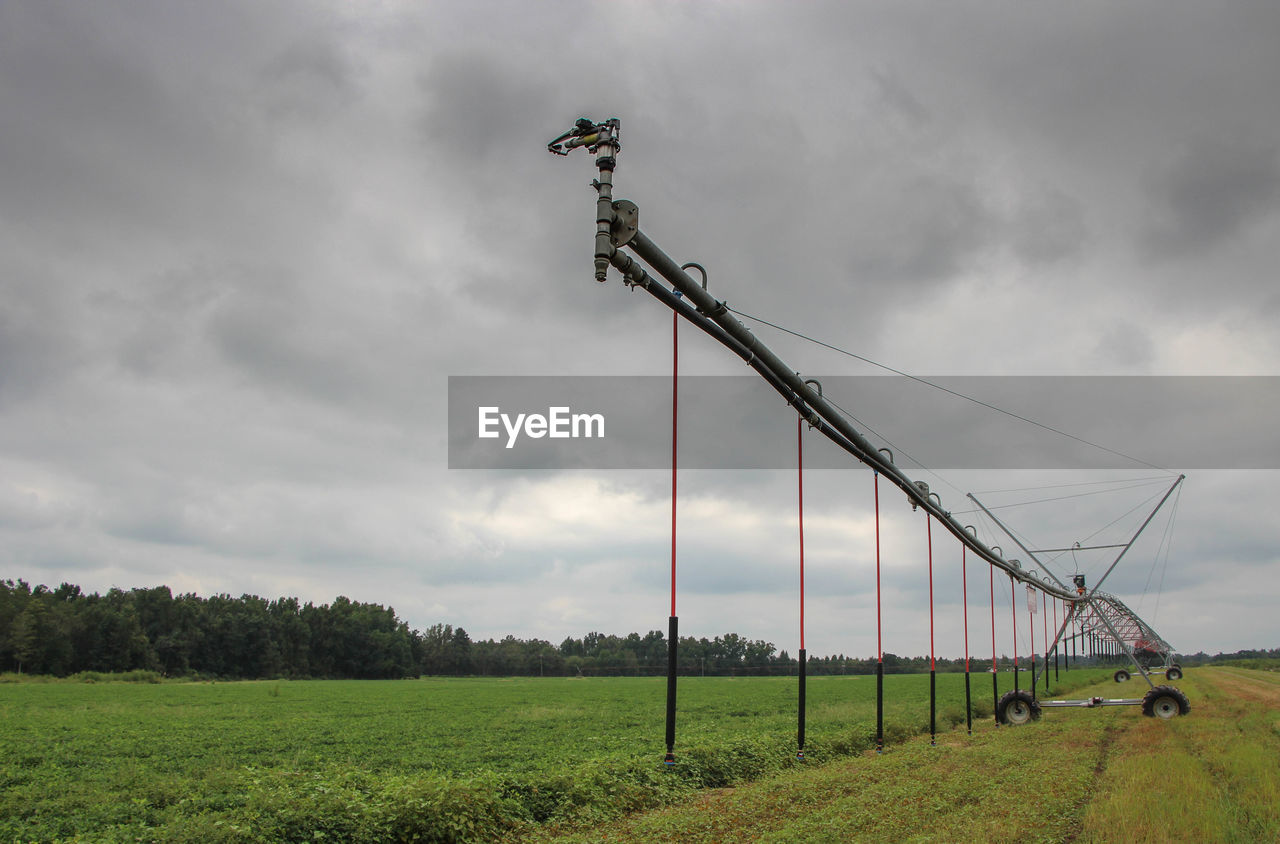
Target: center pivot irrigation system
<point>1098,621</point>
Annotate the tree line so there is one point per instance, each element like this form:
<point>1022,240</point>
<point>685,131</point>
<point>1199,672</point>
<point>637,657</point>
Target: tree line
<point>64,631</point>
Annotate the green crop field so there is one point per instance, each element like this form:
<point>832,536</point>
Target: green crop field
<point>456,759</point>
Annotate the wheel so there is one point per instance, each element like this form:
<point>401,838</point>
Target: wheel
<point>1121,676</point>
<point>1016,708</point>
<point>1165,702</point>
<point>1173,673</point>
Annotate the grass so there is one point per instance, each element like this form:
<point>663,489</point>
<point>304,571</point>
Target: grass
<point>1097,775</point>
<point>1019,784</point>
<point>579,760</point>
<point>1211,777</point>
<point>82,758</point>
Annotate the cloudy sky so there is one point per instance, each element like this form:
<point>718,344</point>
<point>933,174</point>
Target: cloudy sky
<point>243,247</point>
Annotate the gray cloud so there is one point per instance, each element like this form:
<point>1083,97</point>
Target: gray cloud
<point>1048,226</point>
<point>1210,193</point>
<point>1125,343</point>
<point>243,246</point>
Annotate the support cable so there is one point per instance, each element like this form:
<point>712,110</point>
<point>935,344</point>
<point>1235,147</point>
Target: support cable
<point>897,449</point>
<point>1077,495</point>
<point>959,395</point>
<point>1152,479</point>
<point>1167,540</point>
<point>1160,559</point>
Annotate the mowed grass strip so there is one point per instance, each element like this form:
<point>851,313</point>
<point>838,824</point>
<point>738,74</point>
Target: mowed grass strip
<point>1010,784</point>
<point>1106,774</point>
<point>1212,776</point>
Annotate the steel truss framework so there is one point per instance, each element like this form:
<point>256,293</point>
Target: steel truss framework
<point>1101,614</point>
<point>1104,613</point>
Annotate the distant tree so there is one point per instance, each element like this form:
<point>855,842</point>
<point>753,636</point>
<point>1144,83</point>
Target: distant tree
<point>459,657</point>
<point>436,644</point>
<point>572,647</point>
<point>64,630</point>
<point>27,636</point>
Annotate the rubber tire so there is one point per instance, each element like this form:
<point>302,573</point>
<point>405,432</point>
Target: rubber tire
<point>1121,676</point>
<point>1017,708</point>
<point>1173,673</point>
<point>1165,702</point>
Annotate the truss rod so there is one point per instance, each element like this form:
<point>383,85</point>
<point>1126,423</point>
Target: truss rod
<point>1137,533</point>
<point>1075,548</point>
<point>1014,537</point>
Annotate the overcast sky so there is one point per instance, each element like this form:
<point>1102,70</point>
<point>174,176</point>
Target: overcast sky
<point>244,245</point>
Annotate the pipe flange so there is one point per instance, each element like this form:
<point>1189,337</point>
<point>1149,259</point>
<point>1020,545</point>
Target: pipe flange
<point>626,222</point>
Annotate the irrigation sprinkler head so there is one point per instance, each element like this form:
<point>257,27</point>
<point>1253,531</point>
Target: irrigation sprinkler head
<point>613,222</point>
<point>585,133</point>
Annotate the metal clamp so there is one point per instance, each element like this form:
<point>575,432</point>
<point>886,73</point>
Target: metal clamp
<point>814,420</point>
